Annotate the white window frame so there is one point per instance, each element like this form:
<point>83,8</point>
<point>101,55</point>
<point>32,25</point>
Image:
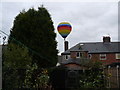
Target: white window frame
<point>103,55</point>
<point>89,56</point>
<point>117,55</point>
<point>79,54</point>
<point>68,56</point>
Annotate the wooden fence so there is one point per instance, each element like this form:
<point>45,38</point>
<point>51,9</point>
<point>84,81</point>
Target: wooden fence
<point>112,76</point>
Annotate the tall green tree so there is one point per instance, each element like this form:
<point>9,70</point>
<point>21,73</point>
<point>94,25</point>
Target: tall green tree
<point>34,29</point>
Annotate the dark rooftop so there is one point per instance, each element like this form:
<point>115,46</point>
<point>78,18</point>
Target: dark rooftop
<point>95,47</point>
<point>77,61</point>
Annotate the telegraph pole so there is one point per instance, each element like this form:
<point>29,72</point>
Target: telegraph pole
<point>0,62</point>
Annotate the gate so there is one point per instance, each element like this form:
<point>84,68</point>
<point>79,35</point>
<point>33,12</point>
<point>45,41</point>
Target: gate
<point>72,80</point>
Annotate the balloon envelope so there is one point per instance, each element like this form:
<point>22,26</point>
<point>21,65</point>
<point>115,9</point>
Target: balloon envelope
<point>64,29</point>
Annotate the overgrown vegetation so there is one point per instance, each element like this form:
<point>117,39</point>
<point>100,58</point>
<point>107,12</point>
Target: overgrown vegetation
<point>93,77</point>
<point>89,78</point>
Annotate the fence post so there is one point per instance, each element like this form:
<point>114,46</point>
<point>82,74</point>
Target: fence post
<point>109,77</point>
<point>117,67</point>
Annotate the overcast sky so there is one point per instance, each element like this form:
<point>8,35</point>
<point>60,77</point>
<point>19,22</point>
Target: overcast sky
<point>90,20</point>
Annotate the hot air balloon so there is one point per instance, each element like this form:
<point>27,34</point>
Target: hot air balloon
<point>64,29</point>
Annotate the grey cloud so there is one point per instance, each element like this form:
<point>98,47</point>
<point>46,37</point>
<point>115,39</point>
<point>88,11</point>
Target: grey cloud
<point>90,21</point>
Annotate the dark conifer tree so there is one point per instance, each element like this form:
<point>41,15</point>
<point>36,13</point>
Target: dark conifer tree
<point>34,29</point>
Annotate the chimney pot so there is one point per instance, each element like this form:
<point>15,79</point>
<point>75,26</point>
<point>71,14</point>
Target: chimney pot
<point>106,39</point>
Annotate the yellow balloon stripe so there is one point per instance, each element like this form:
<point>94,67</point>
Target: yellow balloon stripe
<point>64,31</point>
<point>64,23</point>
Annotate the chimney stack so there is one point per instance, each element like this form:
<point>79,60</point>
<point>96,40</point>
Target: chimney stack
<point>106,39</point>
<point>66,45</point>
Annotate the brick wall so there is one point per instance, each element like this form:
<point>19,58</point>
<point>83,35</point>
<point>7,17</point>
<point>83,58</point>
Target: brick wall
<point>110,58</point>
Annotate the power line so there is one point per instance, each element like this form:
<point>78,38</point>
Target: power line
<point>26,46</point>
<point>4,33</point>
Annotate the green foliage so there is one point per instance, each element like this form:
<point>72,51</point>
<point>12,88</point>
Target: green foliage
<point>41,80</point>
<point>28,77</point>
<point>16,57</point>
<point>16,61</point>
<point>92,78</point>
<point>31,47</point>
<point>18,72</point>
<point>94,64</point>
<point>34,29</point>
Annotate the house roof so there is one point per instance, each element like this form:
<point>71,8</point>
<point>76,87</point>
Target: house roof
<point>95,47</point>
<point>77,61</point>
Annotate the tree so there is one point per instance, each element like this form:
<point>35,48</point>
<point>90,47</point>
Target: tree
<point>16,57</point>
<point>34,29</point>
<point>16,61</point>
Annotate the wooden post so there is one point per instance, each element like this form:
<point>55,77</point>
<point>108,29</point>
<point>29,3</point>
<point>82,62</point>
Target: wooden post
<point>117,67</point>
<point>109,76</point>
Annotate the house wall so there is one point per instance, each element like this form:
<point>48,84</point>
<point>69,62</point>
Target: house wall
<point>64,57</point>
<point>85,55</point>
<point>73,66</point>
<point>110,58</point>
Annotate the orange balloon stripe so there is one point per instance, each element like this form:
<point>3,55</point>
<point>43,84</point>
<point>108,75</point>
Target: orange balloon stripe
<point>64,31</point>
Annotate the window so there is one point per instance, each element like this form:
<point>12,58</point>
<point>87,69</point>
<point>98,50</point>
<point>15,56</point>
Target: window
<point>102,56</point>
<point>117,55</point>
<point>79,54</point>
<point>67,57</point>
<point>89,56</point>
